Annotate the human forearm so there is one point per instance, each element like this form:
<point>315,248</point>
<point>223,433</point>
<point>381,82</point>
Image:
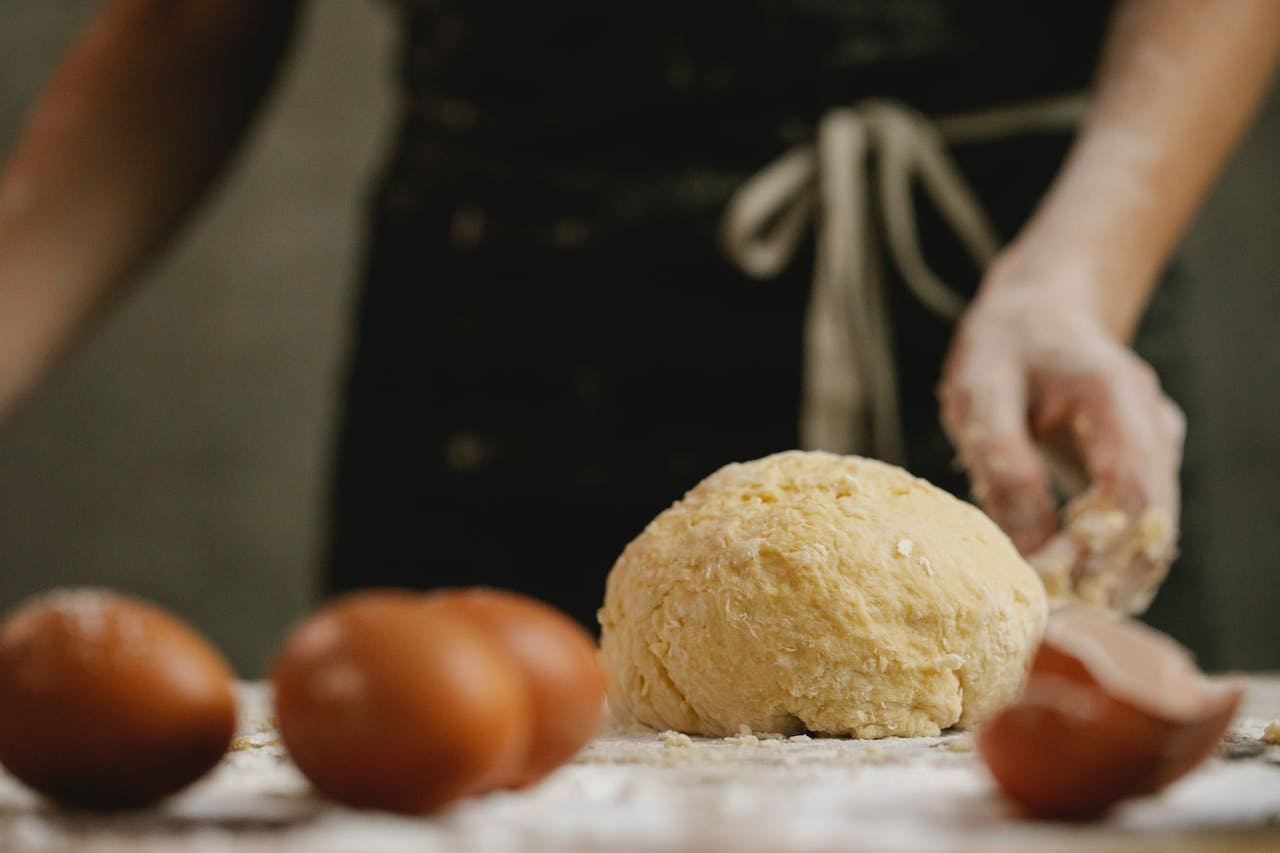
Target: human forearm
<point>134,125</point>
<point>1176,87</point>
<point>1039,364</point>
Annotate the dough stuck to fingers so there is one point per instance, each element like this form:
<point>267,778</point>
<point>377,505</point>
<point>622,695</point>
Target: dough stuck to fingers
<point>1107,558</point>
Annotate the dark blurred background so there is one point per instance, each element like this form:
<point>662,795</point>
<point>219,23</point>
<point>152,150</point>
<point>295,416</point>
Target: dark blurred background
<point>182,452</point>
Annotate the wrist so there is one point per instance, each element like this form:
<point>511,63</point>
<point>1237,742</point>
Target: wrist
<point>1110,287</point>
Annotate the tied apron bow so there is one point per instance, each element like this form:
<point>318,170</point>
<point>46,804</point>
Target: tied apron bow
<point>850,400</point>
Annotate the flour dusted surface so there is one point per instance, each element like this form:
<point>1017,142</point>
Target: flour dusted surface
<point>634,790</point>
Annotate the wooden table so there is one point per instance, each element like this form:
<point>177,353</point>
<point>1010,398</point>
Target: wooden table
<point>641,791</point>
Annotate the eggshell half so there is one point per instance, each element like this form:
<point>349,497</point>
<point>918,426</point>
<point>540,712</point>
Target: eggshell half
<point>1112,709</point>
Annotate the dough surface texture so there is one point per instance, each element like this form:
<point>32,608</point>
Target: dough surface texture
<point>812,592</point>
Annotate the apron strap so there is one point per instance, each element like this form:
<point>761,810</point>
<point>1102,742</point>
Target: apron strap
<point>850,400</point>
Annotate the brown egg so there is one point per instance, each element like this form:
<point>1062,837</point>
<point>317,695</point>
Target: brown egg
<point>1112,710</point>
<point>387,702</point>
<point>558,659</point>
<point>109,702</point>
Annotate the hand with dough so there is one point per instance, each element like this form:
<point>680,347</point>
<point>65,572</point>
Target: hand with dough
<point>1041,363</point>
<point>1033,376</point>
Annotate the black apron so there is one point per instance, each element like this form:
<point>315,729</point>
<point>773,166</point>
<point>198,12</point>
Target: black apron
<point>550,349</point>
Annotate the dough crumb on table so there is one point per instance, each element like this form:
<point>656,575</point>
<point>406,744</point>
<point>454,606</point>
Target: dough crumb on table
<point>675,739</point>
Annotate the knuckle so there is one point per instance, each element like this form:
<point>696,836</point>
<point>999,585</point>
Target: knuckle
<point>1011,479</point>
<point>1146,374</point>
<point>1094,391</point>
<point>1175,420</point>
<point>951,397</point>
<point>957,413</point>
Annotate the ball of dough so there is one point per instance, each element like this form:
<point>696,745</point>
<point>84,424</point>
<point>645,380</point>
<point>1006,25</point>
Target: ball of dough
<point>809,591</point>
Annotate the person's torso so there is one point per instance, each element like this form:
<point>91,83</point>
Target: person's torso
<point>648,81</point>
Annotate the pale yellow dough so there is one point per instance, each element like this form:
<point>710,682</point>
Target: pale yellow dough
<point>808,591</point>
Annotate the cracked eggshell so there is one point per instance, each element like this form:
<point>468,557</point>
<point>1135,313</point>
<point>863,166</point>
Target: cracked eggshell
<point>1112,710</point>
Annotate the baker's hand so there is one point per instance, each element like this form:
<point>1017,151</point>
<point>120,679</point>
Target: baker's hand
<point>1037,393</point>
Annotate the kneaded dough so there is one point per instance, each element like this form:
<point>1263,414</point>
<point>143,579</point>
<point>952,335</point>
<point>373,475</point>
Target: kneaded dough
<point>809,591</point>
